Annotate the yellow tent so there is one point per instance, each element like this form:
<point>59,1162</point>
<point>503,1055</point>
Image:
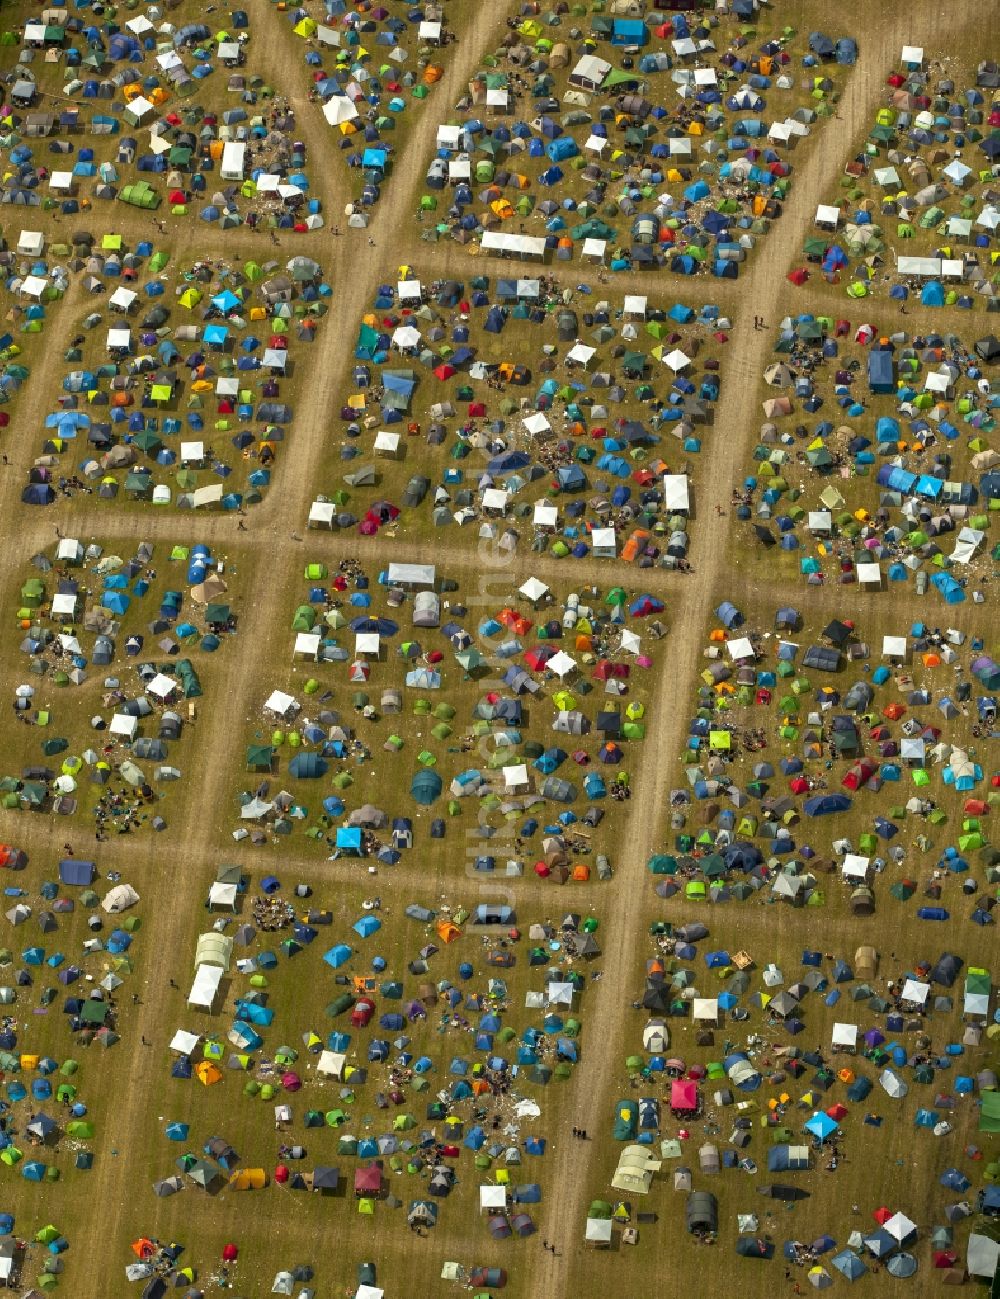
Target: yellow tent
<point>305,28</point>
<point>207,1073</point>
<point>248,1179</point>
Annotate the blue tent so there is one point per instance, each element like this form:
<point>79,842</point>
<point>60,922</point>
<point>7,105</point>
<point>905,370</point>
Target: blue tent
<point>349,839</point>
<point>337,956</point>
<point>849,1264</point>
<point>425,787</point>
<point>74,871</point>
<point>821,1126</point>
<point>307,766</point>
<point>826,804</point>
<point>367,925</point>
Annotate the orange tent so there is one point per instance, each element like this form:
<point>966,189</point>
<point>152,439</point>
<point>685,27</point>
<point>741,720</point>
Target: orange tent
<point>447,930</point>
<point>581,872</point>
<point>143,1248</point>
<point>207,1073</point>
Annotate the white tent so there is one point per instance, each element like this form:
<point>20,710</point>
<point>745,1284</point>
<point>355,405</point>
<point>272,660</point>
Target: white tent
<point>222,896</point>
<point>676,496</point>
<point>536,424</point>
<point>740,648</point>
<point>533,589</point>
<point>517,245</point>
<point>677,360</point>
<point>561,663</point>
<point>915,992</point>
<point>307,645</point>
<point>492,1199</point>
<point>869,576</point>
<point>598,1231</point>
<point>581,354</point>
<point>184,1042</point>
<point>120,898</point>
<point>331,1064</point>
<point>321,514</point>
<point>64,605</point>
<point>845,1037</point>
<point>161,687</point>
<point>205,987</point>
<point>855,867</point>
<point>281,705</point>
<point>900,1227</point>
<point>339,109</point>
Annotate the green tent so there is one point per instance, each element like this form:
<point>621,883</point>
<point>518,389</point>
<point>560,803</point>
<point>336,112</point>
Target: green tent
<point>260,757</point>
<point>989,1112</point>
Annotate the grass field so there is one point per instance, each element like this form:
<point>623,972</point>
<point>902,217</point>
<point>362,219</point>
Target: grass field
<point>120,617</point>
<point>391,727</point>
<point>131,1089</point>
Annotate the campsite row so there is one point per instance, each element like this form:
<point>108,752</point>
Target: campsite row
<point>662,140</point>
<point>428,1086</point>
<point>916,206</point>
<point>509,735</point>
<point>369,70</point>
<point>721,1097</point>
<point>876,461</point>
<point>590,447</point>
<point>67,956</point>
<point>176,390</point>
<point>833,766</point>
<point>161,114</point>
<point>113,655</point>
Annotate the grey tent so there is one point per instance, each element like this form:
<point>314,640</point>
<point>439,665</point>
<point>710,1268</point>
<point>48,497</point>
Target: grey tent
<point>702,1213</point>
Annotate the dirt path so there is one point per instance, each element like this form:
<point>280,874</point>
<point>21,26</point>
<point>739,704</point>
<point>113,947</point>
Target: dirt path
<point>607,1010</point>
<point>262,632</point>
<point>199,834</point>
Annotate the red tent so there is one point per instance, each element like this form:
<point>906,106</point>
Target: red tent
<point>683,1095</point>
<point>367,1181</point>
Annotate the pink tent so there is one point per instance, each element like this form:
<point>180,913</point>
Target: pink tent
<point>683,1094</point>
